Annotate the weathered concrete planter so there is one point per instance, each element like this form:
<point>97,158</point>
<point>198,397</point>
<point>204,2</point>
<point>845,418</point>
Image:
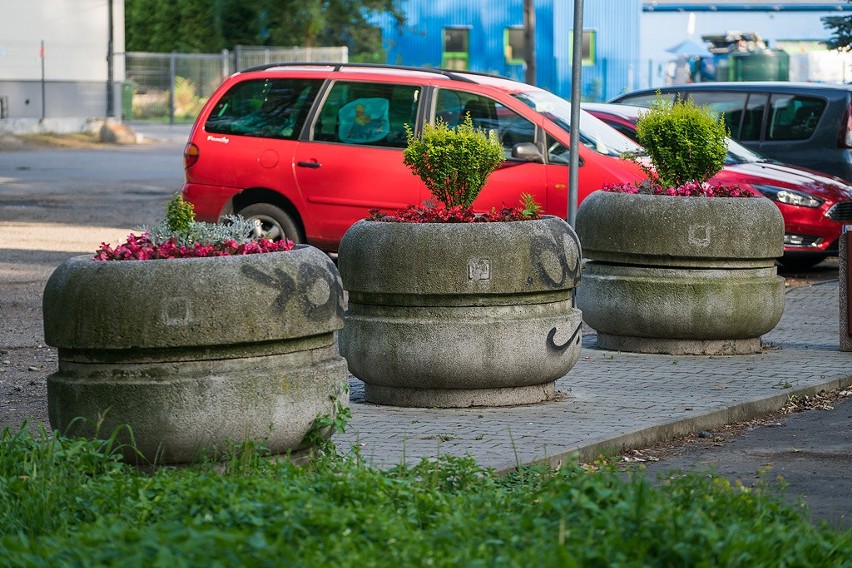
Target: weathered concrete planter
<point>458,314</point>
<point>195,353</point>
<point>680,275</point>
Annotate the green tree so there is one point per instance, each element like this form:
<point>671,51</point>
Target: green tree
<point>841,31</point>
<point>208,26</point>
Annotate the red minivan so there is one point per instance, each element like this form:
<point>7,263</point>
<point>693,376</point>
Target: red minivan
<point>309,149</point>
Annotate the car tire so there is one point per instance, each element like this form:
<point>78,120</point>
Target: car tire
<point>801,261</point>
<point>275,223</point>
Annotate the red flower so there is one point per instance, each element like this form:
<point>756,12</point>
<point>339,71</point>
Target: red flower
<point>141,248</point>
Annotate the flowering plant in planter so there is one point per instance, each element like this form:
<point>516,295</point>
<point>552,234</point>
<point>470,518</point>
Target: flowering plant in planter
<point>680,276</point>
<point>686,147</point>
<point>455,163</point>
<point>179,235</point>
<point>688,189</point>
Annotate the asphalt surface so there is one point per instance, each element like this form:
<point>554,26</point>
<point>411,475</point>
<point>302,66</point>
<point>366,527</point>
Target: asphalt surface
<point>60,203</point>
<point>805,451</point>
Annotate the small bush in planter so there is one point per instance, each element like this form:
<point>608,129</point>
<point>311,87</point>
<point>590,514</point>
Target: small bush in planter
<point>686,146</point>
<point>685,142</point>
<point>455,163</point>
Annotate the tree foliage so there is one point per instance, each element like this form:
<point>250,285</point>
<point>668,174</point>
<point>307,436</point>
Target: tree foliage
<point>841,31</point>
<point>208,26</point>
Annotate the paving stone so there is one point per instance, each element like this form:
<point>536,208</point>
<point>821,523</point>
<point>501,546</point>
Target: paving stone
<point>615,401</point>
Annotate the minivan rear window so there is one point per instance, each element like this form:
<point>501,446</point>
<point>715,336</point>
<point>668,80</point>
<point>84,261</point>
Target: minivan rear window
<point>270,108</point>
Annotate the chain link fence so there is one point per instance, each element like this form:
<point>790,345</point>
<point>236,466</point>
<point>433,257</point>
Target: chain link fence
<point>175,86</point>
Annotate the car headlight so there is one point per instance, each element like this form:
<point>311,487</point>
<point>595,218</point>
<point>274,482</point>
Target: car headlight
<point>789,196</point>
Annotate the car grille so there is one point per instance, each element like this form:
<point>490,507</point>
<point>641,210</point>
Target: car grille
<point>841,211</point>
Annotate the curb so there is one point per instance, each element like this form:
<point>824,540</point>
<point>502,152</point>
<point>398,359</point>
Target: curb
<point>646,437</point>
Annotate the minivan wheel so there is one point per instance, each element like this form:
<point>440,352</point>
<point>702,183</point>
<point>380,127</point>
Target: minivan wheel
<point>275,224</point>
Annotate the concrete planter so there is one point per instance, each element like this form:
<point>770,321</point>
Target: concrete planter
<point>459,314</point>
<point>680,275</point>
<point>195,353</point>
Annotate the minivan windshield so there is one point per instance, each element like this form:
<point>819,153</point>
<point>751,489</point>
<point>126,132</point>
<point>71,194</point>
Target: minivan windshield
<point>739,154</point>
<point>594,133</point>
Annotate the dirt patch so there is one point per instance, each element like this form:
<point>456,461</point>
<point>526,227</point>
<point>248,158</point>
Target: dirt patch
<point>823,400</point>
<point>22,142</point>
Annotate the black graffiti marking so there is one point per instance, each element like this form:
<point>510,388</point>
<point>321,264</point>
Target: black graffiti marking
<point>308,276</point>
<point>577,270</point>
<point>551,345</point>
<point>281,281</point>
<point>542,244</point>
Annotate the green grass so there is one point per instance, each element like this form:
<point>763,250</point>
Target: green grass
<point>71,502</point>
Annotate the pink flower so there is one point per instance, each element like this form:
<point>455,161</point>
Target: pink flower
<point>141,248</point>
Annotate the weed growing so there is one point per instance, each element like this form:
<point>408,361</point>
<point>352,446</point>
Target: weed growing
<point>67,502</point>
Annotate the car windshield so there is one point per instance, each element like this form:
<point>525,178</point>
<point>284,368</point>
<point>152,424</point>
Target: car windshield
<point>739,154</point>
<point>594,133</point>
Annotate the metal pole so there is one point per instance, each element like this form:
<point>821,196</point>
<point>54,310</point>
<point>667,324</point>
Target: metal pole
<point>43,105</point>
<point>576,68</point>
<point>529,41</point>
<point>172,79</point>
<point>110,95</point>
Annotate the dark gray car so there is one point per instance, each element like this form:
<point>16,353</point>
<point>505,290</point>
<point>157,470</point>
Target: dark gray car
<point>807,124</point>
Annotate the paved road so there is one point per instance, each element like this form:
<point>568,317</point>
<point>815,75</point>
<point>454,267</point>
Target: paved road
<point>58,203</point>
<point>811,451</point>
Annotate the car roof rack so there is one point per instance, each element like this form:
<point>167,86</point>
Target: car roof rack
<point>337,66</point>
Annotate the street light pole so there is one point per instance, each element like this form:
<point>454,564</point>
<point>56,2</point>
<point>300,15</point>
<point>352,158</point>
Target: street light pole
<point>110,103</point>
<point>529,41</point>
<point>576,68</point>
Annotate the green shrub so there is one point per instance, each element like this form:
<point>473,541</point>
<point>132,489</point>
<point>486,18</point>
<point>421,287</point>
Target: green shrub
<point>69,502</point>
<point>685,143</point>
<point>179,214</point>
<point>454,163</point>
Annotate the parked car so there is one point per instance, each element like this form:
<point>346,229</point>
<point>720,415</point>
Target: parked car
<point>309,149</point>
<point>815,205</point>
<point>807,124</point>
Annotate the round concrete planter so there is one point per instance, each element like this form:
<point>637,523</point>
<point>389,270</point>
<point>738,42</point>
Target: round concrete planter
<point>680,275</point>
<point>194,354</point>
<point>460,314</point>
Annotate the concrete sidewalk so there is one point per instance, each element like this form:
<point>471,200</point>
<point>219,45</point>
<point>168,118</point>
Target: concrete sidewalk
<point>611,400</point>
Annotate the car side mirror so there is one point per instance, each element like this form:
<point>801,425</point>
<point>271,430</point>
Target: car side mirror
<point>527,152</point>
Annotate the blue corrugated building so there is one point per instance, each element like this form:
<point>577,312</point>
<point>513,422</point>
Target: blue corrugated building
<point>487,36</point>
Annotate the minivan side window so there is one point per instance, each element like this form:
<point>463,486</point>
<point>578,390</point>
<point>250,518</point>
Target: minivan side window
<point>270,108</point>
<point>646,100</point>
<point>752,123</point>
<point>730,105</point>
<point>367,114</point>
<point>487,114</point>
<point>793,117</point>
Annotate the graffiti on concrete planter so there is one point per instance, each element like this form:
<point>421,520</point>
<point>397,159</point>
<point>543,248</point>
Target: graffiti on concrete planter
<point>552,346</point>
<point>545,249</point>
<point>318,291</point>
<point>281,281</point>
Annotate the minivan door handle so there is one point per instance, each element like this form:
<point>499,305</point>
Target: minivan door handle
<point>312,164</point>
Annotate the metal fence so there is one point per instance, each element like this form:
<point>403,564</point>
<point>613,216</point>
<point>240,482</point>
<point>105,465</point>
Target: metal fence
<point>176,85</point>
